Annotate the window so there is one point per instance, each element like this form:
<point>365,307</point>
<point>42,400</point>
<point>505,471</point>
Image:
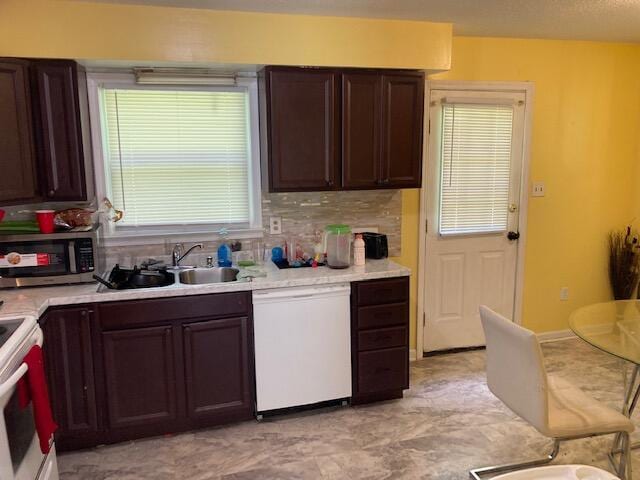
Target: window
<point>178,159</point>
<point>475,167</point>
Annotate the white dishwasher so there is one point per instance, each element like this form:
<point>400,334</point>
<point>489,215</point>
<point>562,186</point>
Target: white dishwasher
<point>302,339</point>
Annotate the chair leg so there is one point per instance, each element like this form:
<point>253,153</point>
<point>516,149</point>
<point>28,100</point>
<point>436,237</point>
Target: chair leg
<point>622,467</point>
<point>477,472</point>
<point>625,459</point>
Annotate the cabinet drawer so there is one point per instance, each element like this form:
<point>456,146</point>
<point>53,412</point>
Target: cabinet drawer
<point>376,292</point>
<point>378,316</point>
<point>139,312</point>
<point>382,338</point>
<point>381,370</point>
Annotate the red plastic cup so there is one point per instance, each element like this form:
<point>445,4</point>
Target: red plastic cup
<point>45,220</point>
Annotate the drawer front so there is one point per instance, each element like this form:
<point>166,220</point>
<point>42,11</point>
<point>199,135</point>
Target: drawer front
<point>376,292</point>
<point>382,370</point>
<point>134,313</point>
<point>378,316</point>
<point>382,338</point>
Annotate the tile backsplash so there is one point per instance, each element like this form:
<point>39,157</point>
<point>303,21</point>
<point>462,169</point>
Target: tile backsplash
<point>304,215</point>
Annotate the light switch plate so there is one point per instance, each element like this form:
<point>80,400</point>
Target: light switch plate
<point>564,293</point>
<point>275,225</point>
<point>538,189</point>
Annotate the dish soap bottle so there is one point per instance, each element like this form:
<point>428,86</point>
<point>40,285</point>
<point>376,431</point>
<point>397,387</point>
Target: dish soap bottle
<point>358,251</point>
<point>224,251</point>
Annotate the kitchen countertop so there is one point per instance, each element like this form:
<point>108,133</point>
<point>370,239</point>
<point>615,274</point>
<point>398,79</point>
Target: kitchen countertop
<point>35,300</point>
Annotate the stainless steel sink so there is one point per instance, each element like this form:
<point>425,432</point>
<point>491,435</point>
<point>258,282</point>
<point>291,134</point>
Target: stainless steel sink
<point>198,276</point>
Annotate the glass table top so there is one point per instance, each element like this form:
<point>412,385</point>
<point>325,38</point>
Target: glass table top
<point>613,327</point>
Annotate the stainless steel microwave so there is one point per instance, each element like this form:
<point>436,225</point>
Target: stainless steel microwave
<point>51,259</point>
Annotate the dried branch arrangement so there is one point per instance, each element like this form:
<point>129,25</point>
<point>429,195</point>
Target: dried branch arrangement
<point>624,263</point>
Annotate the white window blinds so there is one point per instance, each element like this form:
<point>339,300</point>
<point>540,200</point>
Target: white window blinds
<point>475,168</point>
<point>177,157</point>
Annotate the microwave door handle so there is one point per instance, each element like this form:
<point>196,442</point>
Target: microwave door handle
<point>72,257</point>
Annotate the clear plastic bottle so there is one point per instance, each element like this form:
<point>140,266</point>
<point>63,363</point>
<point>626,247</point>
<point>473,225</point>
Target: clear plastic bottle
<point>358,251</point>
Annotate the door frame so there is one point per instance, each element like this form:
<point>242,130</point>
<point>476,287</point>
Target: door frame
<point>528,88</point>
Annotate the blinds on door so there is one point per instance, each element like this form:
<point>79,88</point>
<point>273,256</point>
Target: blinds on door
<point>176,157</point>
<point>475,168</point>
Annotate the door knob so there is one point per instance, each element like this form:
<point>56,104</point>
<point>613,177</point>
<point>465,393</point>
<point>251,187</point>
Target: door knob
<point>513,235</point>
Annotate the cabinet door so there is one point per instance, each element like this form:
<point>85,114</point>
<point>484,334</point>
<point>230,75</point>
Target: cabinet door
<point>402,123</point>
<point>140,375</point>
<point>218,369</point>
<point>303,129</point>
<point>70,369</point>
<point>17,156</point>
<point>58,130</point>
<point>361,123</point>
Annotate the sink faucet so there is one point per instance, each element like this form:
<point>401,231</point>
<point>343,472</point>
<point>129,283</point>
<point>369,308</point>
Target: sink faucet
<point>177,254</point>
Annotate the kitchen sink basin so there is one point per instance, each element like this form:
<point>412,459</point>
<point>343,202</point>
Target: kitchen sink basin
<point>198,276</point>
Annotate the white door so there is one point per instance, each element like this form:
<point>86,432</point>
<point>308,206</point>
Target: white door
<point>473,185</point>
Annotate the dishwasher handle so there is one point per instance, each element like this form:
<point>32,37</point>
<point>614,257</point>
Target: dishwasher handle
<point>299,293</point>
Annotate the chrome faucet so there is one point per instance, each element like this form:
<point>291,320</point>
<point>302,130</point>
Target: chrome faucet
<point>177,254</point>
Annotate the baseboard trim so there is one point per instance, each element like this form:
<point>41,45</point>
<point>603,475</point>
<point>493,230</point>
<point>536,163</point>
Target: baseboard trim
<point>555,336</point>
<point>413,356</point>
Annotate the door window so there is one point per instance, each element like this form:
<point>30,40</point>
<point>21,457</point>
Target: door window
<point>475,160</point>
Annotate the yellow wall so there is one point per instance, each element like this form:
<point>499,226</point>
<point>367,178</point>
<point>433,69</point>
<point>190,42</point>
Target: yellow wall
<point>586,118</point>
<point>585,146</point>
<point>70,29</point>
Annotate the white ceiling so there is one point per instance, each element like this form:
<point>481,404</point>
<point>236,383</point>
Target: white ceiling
<point>608,20</point>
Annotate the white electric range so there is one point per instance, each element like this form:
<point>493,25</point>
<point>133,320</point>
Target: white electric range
<point>20,454</point>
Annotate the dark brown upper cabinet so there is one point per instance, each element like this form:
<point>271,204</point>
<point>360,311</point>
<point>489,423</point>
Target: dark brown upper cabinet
<point>62,128</point>
<point>402,125</point>
<point>377,128</point>
<point>18,182</point>
<point>361,130</point>
<point>300,111</point>
<point>46,140</point>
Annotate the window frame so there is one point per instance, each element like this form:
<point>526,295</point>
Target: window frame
<point>114,236</point>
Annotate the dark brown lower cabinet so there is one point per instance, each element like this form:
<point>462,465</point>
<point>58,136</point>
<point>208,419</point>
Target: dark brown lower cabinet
<point>140,375</point>
<point>126,370</point>
<point>380,339</point>
<point>217,369</point>
<point>69,361</point>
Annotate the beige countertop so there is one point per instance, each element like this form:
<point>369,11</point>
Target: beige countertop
<point>35,300</point>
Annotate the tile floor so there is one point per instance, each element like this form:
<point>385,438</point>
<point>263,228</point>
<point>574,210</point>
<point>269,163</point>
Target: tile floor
<point>447,423</point>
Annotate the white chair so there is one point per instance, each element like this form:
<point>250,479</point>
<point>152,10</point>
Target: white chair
<point>557,409</point>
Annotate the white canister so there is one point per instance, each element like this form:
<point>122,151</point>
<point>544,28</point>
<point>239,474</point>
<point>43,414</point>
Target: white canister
<point>358,251</point>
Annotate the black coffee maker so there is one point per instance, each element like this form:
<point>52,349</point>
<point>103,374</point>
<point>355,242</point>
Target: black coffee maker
<point>375,245</point>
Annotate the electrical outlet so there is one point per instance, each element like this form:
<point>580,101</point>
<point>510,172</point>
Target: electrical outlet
<point>538,189</point>
<point>275,225</point>
<point>564,293</point>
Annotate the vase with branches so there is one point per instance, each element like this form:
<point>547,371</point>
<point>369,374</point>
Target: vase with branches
<point>624,263</point>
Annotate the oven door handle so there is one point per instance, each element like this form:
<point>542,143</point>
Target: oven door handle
<point>10,382</point>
